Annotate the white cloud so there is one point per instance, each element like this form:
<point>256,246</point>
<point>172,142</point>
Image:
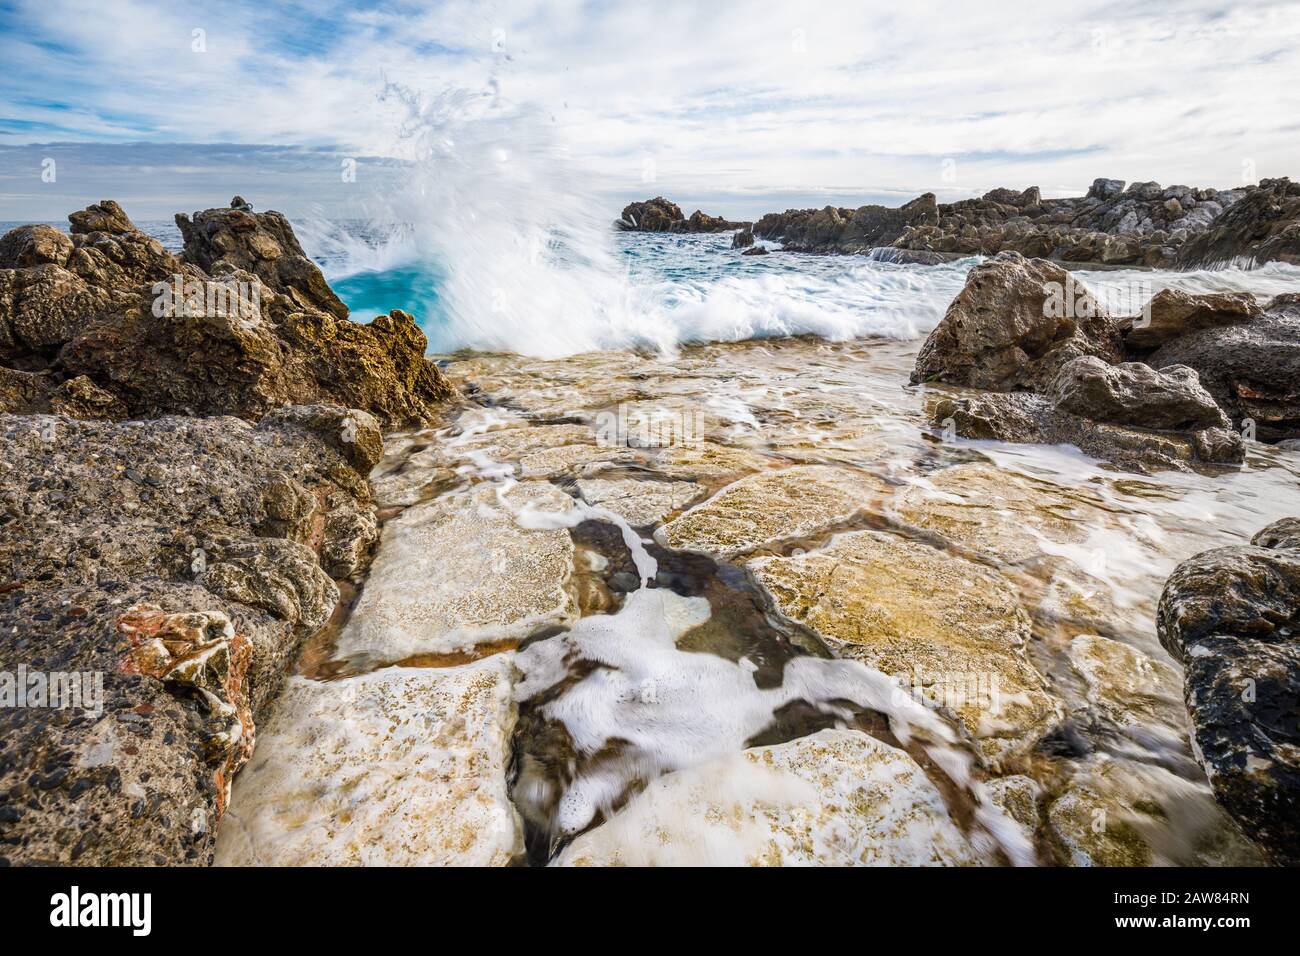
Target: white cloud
<point>726,100</point>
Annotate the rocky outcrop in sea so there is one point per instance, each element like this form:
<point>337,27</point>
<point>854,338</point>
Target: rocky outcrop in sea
<point>660,215</point>
<point>1114,224</point>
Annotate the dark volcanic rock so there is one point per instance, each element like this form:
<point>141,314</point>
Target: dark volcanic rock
<point>176,559</point>
<point>1230,616</point>
<point>221,241</point>
<point>1013,325</point>
<point>1263,227</point>
<point>743,239</point>
<point>145,334</point>
<point>1252,369</point>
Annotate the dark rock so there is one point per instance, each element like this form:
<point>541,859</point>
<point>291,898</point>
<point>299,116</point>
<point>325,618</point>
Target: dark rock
<point>1027,418</point>
<point>34,245</point>
<point>652,215</point>
<point>845,230</point>
<point>660,215</point>
<point>743,239</point>
<point>1230,616</point>
<point>1013,325</point>
<point>1171,399</point>
<point>1252,369</point>
<point>1105,189</point>
<point>755,251</point>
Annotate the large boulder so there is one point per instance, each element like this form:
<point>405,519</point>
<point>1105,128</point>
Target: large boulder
<point>1230,616</point>
<point>1135,394</point>
<point>221,241</point>
<point>1264,226</point>
<point>652,215</point>
<point>180,593</point>
<point>1013,325</point>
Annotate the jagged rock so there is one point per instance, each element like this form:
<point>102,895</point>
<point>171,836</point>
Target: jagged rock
<point>769,507</point>
<point>1230,616</point>
<point>349,538</point>
<point>236,240</point>
<point>660,215</point>
<point>34,245</point>
<point>952,630</point>
<point>1015,322</point>
<point>837,798</point>
<point>161,336</point>
<point>1172,312</point>
<point>652,215</point>
<point>122,556</point>
<point>399,767</point>
<point>1263,226</point>
<point>1105,189</point>
<point>1252,369</point>
<point>743,239</point>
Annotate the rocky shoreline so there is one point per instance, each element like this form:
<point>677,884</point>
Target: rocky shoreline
<point>744,606</point>
<point>1114,224</point>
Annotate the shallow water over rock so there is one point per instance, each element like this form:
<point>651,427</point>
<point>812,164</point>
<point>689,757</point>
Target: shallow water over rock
<point>804,628</point>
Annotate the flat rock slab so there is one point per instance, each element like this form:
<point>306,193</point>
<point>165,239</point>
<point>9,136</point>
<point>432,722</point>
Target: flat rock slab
<point>398,767</point>
<point>996,514</point>
<point>461,570</point>
<point>835,798</point>
<point>772,506</point>
<point>954,630</point>
<point>639,502</point>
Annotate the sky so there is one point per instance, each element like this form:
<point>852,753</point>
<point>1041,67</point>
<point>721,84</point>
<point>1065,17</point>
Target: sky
<point>736,107</point>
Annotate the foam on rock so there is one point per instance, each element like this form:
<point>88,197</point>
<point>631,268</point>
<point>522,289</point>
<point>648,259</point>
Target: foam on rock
<point>462,570</point>
<point>835,798</point>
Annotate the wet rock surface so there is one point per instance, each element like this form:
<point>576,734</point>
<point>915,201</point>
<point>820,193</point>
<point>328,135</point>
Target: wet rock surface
<point>1229,617</point>
<point>398,767</point>
<point>835,798</point>
<point>831,229</point>
<point>1263,227</point>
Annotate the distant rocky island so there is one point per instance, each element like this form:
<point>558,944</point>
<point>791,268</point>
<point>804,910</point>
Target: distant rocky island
<point>1138,224</point>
